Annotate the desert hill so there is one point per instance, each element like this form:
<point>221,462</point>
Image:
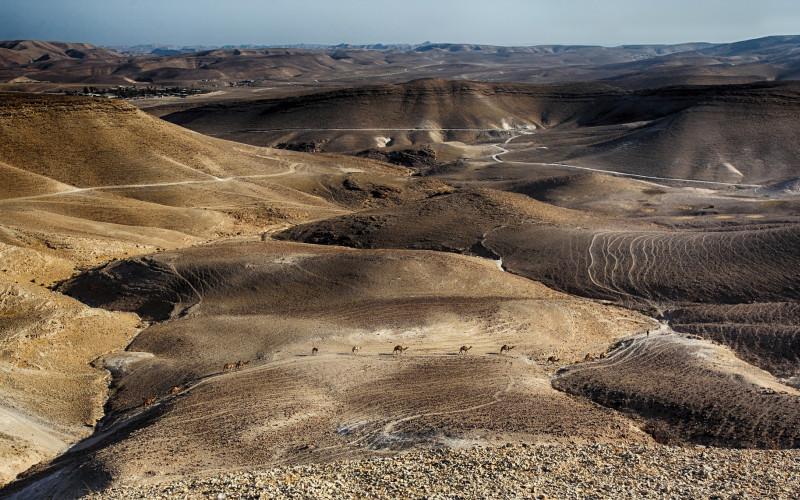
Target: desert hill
<point>87,181</point>
<point>640,264</point>
<point>778,49</point>
<point>175,304</point>
<point>599,253</point>
<point>268,303</point>
<point>736,134</point>
<point>272,69</point>
<point>740,134</point>
<point>59,149</point>
<point>23,52</point>
<point>428,108</point>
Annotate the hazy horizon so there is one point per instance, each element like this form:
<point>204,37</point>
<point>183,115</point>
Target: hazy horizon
<point>359,22</point>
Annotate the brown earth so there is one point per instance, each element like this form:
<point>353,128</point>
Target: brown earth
<point>739,134</point>
<point>24,52</point>
<point>602,257</point>
<point>52,396</point>
<point>160,229</point>
<point>87,181</point>
<point>686,389</point>
<point>268,303</point>
<point>49,65</point>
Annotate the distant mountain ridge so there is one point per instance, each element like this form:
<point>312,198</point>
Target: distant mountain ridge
<point>162,49</point>
<point>22,52</point>
<point>321,66</point>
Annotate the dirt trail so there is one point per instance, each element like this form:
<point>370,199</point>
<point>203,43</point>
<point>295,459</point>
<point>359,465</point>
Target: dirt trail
<point>290,170</point>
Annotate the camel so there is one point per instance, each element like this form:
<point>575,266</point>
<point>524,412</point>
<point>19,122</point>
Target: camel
<point>398,349</point>
<point>506,348</point>
<point>175,389</point>
<point>464,349</point>
<point>240,364</point>
<point>553,359</point>
<point>314,351</point>
<point>603,355</point>
<point>149,401</point>
<point>356,349</point>
<point>228,367</point>
<point>589,357</point>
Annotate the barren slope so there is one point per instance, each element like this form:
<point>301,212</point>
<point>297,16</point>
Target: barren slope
<point>643,265</point>
<point>23,52</point>
<point>596,256</point>
<point>51,396</point>
<point>742,134</point>
<point>79,169</point>
<point>688,389</point>
<point>268,303</point>
<point>632,66</point>
<point>86,181</point>
<point>90,181</point>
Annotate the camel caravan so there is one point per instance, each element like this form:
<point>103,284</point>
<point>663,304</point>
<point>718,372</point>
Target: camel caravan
<point>398,349</point>
<point>230,366</point>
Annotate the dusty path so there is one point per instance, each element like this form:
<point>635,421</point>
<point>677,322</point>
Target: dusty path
<point>292,168</point>
<point>496,157</point>
<point>638,176</point>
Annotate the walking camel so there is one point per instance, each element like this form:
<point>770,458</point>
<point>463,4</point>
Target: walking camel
<point>464,349</point>
<point>240,364</point>
<point>228,367</point>
<point>356,349</point>
<point>314,351</point>
<point>398,349</point>
<point>506,348</point>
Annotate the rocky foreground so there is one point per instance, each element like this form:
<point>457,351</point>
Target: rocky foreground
<point>584,471</point>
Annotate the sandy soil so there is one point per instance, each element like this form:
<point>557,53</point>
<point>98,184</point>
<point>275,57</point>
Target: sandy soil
<point>159,229</point>
<point>269,303</point>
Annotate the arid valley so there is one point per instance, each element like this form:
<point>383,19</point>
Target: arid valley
<point>345,255</point>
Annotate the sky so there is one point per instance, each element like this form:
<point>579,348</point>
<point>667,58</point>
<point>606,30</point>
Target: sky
<point>493,22</point>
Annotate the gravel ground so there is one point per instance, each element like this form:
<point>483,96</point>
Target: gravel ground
<point>586,471</point>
